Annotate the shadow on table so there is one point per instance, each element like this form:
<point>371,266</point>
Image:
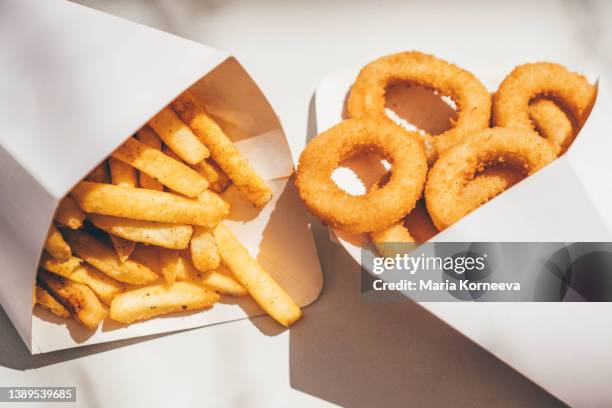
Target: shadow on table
<point>361,354</point>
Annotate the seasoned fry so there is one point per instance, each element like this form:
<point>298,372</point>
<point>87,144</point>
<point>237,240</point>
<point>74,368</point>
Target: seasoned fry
<point>76,297</point>
<point>220,280</point>
<point>156,300</point>
<point>69,214</point>
<point>123,247</point>
<point>171,173</point>
<point>148,256</point>
<point>46,301</point>
<point>105,287</point>
<point>168,264</point>
<point>63,268</point>
<point>150,205</point>
<point>99,174</point>
<point>55,244</point>
<point>260,285</point>
<point>204,252</point>
<point>96,253</point>
<point>122,174</point>
<point>178,136</point>
<point>217,179</point>
<point>222,149</point>
<point>147,136</point>
<point>171,236</point>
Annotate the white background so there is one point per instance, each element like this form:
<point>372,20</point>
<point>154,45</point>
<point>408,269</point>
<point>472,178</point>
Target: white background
<point>344,351</point>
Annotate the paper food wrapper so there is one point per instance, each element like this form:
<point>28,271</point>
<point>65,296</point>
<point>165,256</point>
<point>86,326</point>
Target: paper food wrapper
<point>569,200</point>
<point>75,84</point>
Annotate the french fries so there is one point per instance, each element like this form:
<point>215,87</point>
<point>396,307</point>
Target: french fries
<point>60,267</point>
<point>142,204</point>
<point>122,174</point>
<point>69,214</point>
<point>260,285</point>
<point>96,253</point>
<point>178,136</point>
<point>156,300</point>
<point>55,244</point>
<point>147,136</point>
<point>46,301</point>
<point>99,174</point>
<point>171,236</point>
<point>222,149</point>
<point>204,252</point>
<point>171,173</point>
<point>220,280</point>
<point>77,298</point>
<point>105,287</point>
<point>210,170</point>
<point>168,264</point>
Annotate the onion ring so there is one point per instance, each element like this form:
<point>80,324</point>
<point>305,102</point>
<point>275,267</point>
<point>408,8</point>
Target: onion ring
<point>552,123</point>
<point>378,208</point>
<point>473,102</point>
<point>526,82</point>
<point>444,192</point>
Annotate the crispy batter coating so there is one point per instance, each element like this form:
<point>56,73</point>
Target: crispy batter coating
<point>473,102</point>
<point>552,123</point>
<point>447,198</point>
<point>379,208</point>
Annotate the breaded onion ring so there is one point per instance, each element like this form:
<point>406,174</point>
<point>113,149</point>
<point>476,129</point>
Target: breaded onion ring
<point>552,123</point>
<point>529,81</point>
<point>378,208</point>
<point>445,194</point>
<point>473,102</point>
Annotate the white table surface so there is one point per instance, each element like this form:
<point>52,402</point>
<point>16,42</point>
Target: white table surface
<point>345,351</point>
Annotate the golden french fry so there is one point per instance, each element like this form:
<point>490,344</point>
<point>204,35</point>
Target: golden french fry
<point>217,179</point>
<point>147,136</point>
<point>69,214</point>
<point>168,263</point>
<point>46,301</point>
<point>171,173</point>
<point>156,300</point>
<point>55,244</point>
<point>148,256</point>
<point>220,280</point>
<point>142,204</point>
<point>80,301</point>
<point>260,285</point>
<point>204,252</point>
<point>171,236</point>
<point>178,136</point>
<point>99,174</point>
<point>93,251</point>
<point>63,268</point>
<point>122,174</point>
<point>123,247</point>
<point>222,149</point>
<point>105,287</point>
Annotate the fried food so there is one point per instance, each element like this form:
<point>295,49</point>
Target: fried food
<point>46,301</point>
<point>168,263</point>
<point>147,136</point>
<point>163,168</point>
<point>149,205</point>
<point>55,244</point>
<point>150,301</point>
<point>173,131</point>
<point>220,280</point>
<point>444,191</point>
<point>378,208</point>
<point>261,286</point>
<point>69,214</point>
<point>552,123</point>
<point>63,268</point>
<point>212,172</point>
<point>105,287</point>
<point>222,150</point>
<point>530,81</point>
<point>204,252</point>
<point>472,100</point>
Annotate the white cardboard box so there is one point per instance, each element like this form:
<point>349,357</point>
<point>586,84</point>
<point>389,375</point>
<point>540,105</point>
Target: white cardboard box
<point>563,347</point>
<point>75,84</point>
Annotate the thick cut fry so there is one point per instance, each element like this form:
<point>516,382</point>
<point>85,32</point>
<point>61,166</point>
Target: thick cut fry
<point>148,256</point>
<point>168,264</point>
<point>217,179</point>
<point>56,246</point>
<point>204,252</point>
<point>260,285</point>
<point>63,268</point>
<point>46,301</point>
<point>122,174</point>
<point>147,136</point>
<point>222,149</point>
<point>142,204</point>
<point>123,247</point>
<point>105,287</point>
<point>156,300</point>
<point>171,173</point>
<point>171,236</point>
<point>96,253</point>
<point>99,174</point>
<point>220,280</point>
<point>178,136</point>
<point>69,214</point>
<point>80,301</point>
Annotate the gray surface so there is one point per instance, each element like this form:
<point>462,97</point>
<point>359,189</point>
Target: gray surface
<point>344,351</point>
